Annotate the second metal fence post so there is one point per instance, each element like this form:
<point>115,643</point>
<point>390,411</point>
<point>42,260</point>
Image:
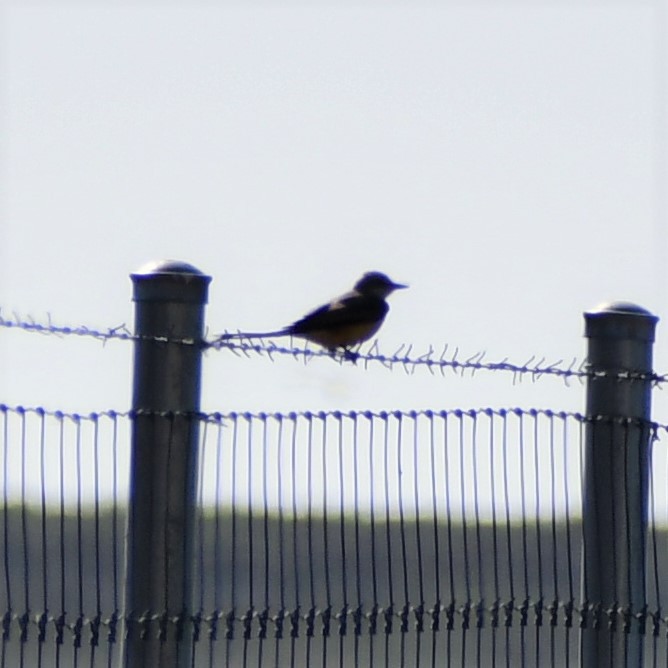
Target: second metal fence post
<point>170,299</point>
<point>615,495</point>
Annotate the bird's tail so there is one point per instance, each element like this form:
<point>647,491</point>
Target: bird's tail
<point>254,335</point>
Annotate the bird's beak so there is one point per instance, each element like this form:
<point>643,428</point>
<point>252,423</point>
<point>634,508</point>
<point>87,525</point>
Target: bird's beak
<point>398,286</point>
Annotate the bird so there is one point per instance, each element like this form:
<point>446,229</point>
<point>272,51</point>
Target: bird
<point>346,321</point>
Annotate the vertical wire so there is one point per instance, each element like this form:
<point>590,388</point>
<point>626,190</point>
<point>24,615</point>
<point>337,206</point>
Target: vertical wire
<point>402,518</point>
<point>114,536</point>
<point>496,556</point>
<point>523,497</point>
<point>374,556</point>
<point>217,544</point>
<point>281,528</point>
<point>249,509</point>
<point>25,616</point>
<point>478,533</point>
<point>248,613</point>
<point>539,543</point>
<point>342,525</point>
<point>356,501</point>
<point>45,579</point>
<point>464,636</point>
<point>372,483</point>
<point>389,611</point>
<point>80,555</point>
<point>7,613</point>
<point>307,649</point>
<point>448,507</point>
<point>232,616</point>
<point>403,531</point>
<point>326,529</point>
<point>553,520</point>
<point>325,516</point>
<point>523,504</point>
<point>24,530</point>
<point>582,442</point>
<point>567,509</point>
<point>295,524</point>
<point>510,605</point>
<point>647,435</point>
<point>655,555</point>
<point>309,480</point>
<point>265,521</point>
<point>585,604</point>
<point>418,647</point>
<point>201,532</point>
<point>438,601</point>
<point>95,623</point>
<point>448,648</point>
<point>244,662</point>
<point>235,538</point>
<point>525,538</point>
<point>553,509</point>
<point>250,518</point>
<point>60,623</point>
<point>462,493</point>
<point>418,534</point>
<point>296,612</point>
<point>310,620</point>
<point>434,511</point>
<point>476,510</point>
<point>82,619</point>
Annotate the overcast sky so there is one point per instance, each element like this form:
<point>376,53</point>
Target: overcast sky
<point>507,160</point>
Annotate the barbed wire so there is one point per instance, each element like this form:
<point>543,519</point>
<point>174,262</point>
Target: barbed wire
<point>431,360</point>
<point>120,332</point>
<point>404,358</point>
<point>435,362</point>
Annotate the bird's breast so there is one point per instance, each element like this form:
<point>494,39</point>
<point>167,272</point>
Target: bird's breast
<point>342,336</point>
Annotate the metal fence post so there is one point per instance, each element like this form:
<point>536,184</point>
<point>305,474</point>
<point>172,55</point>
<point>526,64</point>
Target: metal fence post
<point>169,319</point>
<point>615,495</point>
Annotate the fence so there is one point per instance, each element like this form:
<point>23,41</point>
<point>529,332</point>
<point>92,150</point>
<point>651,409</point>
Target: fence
<point>494,536</point>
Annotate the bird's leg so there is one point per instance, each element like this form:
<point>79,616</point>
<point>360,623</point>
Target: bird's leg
<point>350,355</point>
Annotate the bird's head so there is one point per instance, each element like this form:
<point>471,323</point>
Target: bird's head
<point>376,284</point>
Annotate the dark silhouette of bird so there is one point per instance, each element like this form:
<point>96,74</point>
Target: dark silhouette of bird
<point>344,322</point>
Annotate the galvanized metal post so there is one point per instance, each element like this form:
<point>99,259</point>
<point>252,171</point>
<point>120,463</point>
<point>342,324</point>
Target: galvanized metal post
<point>169,319</point>
<point>615,495</point>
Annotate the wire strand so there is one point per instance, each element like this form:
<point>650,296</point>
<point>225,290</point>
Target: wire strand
<point>435,360</point>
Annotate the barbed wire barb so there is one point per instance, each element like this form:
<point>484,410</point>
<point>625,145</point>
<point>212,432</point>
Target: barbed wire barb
<point>373,351</point>
<point>475,362</point>
<point>426,358</point>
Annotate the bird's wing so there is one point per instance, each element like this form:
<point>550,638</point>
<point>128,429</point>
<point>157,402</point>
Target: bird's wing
<point>351,309</point>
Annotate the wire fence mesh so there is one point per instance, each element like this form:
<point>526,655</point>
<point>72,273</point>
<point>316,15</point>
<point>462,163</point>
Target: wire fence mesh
<point>390,538</point>
<point>402,538</point>
<point>64,501</point>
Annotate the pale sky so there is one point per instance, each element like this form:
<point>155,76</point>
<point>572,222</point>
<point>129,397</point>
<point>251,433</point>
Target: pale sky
<point>506,159</point>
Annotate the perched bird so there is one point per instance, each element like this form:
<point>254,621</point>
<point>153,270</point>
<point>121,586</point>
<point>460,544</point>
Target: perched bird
<point>347,320</point>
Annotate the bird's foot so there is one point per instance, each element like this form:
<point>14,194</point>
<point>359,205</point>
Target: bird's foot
<point>350,355</point>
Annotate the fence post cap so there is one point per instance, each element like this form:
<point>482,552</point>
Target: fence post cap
<point>620,320</point>
<point>170,280</point>
<point>166,267</point>
<point>620,307</point>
